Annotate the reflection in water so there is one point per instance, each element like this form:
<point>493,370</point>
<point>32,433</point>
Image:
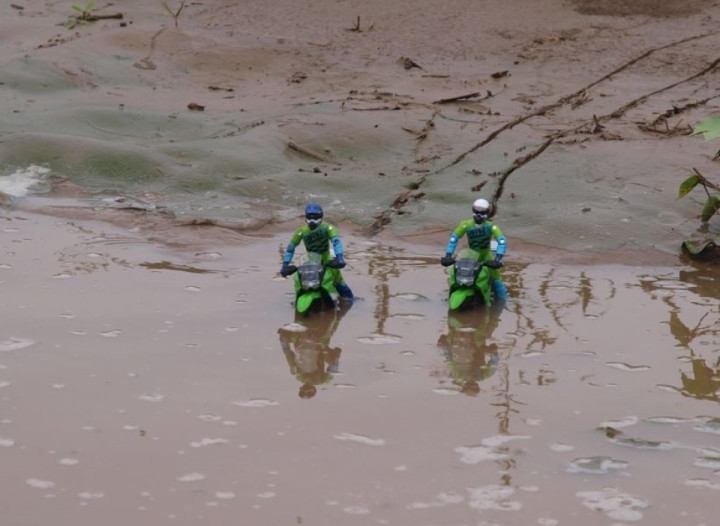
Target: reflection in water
<point>306,345</point>
<point>704,382</point>
<point>703,329</point>
<point>469,357</point>
<point>384,264</point>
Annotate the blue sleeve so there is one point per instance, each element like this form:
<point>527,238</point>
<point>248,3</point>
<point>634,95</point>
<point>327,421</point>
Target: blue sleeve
<point>337,246</point>
<point>452,244</point>
<point>501,245</point>
<point>289,253</point>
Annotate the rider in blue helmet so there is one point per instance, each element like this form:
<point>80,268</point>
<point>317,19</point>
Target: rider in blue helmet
<point>317,236</point>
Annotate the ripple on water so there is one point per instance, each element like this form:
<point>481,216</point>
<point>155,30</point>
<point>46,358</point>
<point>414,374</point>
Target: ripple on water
<point>708,462</point>
<point>204,442</point>
<point>641,443</point>
<point>40,484</point>
<point>408,316</point>
<point>615,504</point>
<point>667,420</point>
<point>493,497</point>
<point>410,296</point>
<point>440,500</point>
<point>488,449</point>
<point>622,422</point>
<point>152,397</point>
<point>14,344</point>
<point>361,439</point>
<point>599,465</point>
<point>191,477</point>
<point>627,367</point>
<point>709,426</point>
<point>702,483</point>
<point>294,327</point>
<point>257,402</point>
<point>379,339</point>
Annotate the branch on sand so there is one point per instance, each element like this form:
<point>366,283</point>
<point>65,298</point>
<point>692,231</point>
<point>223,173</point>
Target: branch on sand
<point>307,152</point>
<point>575,99</point>
<point>357,29</point>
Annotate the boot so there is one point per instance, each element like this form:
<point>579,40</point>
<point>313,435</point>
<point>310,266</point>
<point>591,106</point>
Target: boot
<point>345,291</point>
<point>500,290</point>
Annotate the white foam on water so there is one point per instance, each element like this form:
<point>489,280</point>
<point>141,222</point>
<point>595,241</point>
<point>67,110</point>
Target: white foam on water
<point>208,442</point>
<point>19,183</point>
<point>441,500</point>
<point>40,484</point>
<point>360,439</point>
<point>14,344</point>
<point>493,497</point>
<point>191,477</point>
<point>614,503</point>
<point>256,402</point>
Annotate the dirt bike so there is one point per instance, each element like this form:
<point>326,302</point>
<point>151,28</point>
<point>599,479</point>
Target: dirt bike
<point>315,284</point>
<point>470,281</point>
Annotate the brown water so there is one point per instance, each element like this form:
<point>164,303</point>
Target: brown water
<point>144,385</point>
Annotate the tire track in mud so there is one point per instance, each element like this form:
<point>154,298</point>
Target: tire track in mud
<point>577,98</point>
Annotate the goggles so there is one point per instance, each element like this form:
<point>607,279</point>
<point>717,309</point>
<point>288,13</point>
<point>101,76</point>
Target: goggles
<point>313,219</point>
<point>480,215</point>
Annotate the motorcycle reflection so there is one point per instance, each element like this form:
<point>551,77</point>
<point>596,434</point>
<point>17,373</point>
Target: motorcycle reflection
<point>306,345</point>
<point>704,383</point>
<point>470,359</point>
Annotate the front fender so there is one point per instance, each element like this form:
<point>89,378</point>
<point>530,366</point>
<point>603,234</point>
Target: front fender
<point>458,297</point>
<point>306,299</point>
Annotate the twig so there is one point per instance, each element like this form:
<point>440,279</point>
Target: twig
<point>307,152</point>
<point>456,99</point>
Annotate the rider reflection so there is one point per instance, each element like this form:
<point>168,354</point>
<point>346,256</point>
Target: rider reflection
<point>306,345</point>
<point>470,359</point>
<point>704,383</point>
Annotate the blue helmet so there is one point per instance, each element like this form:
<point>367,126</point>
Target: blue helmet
<point>314,209</point>
<point>313,215</point>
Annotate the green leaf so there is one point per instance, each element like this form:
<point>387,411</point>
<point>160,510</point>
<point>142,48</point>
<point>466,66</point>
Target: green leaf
<point>76,8</point>
<point>710,128</point>
<point>687,185</point>
<point>712,205</point>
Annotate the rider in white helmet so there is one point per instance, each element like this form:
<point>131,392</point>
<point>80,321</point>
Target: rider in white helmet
<point>480,232</point>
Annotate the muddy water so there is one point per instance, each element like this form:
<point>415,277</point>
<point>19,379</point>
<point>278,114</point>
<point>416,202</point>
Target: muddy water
<point>144,385</point>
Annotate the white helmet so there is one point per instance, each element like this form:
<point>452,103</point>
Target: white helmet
<point>481,210</point>
<point>481,205</point>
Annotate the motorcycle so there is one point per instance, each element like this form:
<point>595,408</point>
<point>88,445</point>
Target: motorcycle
<point>470,281</point>
<point>315,284</point>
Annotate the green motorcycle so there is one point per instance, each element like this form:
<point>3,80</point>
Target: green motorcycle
<point>315,284</point>
<point>470,282</point>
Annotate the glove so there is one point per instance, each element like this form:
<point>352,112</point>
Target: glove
<point>447,260</point>
<point>340,261</point>
<point>285,270</point>
<point>495,263</point>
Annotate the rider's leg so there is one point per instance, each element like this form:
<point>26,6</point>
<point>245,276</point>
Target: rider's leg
<point>498,285</point>
<point>343,288</point>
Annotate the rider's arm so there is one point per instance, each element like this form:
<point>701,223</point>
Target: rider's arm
<point>501,241</point>
<point>336,244</point>
<point>290,250</point>
<point>454,238</point>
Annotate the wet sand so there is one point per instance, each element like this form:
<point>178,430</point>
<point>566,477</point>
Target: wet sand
<point>158,385</point>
